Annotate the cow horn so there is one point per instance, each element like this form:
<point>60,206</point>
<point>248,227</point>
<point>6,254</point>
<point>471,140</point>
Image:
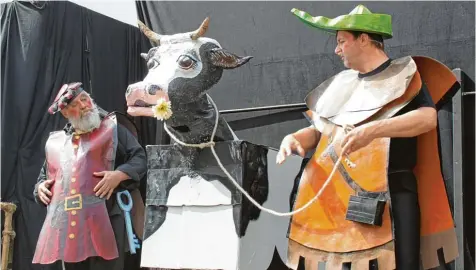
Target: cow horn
<point>201,30</point>
<point>149,33</point>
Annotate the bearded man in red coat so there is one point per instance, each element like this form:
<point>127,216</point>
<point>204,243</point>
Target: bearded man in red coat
<point>86,163</point>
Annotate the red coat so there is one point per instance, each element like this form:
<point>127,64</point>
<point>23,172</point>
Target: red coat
<point>77,224</point>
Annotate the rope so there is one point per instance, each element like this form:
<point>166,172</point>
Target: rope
<point>211,144</point>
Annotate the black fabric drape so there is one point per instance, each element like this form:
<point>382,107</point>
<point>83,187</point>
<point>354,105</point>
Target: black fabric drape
<point>41,49</point>
<point>45,45</point>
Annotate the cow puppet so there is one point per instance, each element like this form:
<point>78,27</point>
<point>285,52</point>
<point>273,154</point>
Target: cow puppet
<point>182,68</point>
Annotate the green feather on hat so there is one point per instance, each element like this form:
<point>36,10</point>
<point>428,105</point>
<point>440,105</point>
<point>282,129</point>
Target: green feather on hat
<point>359,19</point>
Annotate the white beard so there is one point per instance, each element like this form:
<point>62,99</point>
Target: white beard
<point>88,122</point>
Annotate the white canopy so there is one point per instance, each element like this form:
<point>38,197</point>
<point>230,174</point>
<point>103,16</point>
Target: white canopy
<point>121,10</point>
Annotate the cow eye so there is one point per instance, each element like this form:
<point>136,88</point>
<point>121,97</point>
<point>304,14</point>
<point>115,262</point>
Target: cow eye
<point>152,63</point>
<point>186,62</point>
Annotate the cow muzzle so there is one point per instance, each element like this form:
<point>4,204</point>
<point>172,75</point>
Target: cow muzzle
<point>141,96</point>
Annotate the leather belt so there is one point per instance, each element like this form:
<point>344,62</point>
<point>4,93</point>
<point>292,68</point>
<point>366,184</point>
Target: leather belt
<point>348,179</point>
<point>74,202</point>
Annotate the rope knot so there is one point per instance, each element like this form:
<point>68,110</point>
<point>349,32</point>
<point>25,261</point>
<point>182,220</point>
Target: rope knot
<point>207,144</point>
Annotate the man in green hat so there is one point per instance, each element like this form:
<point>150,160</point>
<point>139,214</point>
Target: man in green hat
<point>370,117</point>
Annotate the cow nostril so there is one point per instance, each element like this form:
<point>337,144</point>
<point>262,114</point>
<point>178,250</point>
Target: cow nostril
<point>152,89</point>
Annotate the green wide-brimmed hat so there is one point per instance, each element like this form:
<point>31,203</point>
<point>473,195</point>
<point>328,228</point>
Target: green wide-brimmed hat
<point>359,19</point>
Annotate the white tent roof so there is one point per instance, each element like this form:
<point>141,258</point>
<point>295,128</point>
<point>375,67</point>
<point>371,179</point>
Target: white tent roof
<point>121,10</point>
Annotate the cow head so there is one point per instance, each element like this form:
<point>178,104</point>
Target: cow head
<point>182,67</point>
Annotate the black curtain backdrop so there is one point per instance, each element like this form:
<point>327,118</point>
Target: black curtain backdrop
<point>45,45</point>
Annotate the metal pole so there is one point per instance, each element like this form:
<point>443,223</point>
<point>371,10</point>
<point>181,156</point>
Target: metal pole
<point>458,173</point>
<point>265,108</point>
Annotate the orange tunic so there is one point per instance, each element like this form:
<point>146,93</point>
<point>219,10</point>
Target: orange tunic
<point>322,233</point>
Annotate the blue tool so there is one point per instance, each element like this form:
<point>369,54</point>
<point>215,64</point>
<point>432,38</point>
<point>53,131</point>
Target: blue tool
<point>133,241</point>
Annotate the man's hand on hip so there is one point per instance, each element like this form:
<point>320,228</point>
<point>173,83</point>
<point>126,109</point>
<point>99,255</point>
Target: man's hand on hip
<point>44,192</point>
<point>110,180</point>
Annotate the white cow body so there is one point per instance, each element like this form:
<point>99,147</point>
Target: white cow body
<point>199,230</point>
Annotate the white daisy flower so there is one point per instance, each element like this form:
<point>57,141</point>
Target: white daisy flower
<point>163,109</point>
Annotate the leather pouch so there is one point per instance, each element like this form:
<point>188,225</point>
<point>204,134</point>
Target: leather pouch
<point>367,208</point>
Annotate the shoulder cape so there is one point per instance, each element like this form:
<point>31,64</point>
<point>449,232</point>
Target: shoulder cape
<point>437,226</point>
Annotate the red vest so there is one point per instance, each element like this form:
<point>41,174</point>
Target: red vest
<point>77,224</point>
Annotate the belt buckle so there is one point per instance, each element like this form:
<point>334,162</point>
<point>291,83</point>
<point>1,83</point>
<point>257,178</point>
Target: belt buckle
<point>74,202</point>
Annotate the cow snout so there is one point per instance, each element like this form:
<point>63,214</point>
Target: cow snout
<point>144,94</point>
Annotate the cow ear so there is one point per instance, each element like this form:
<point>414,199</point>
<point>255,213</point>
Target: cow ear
<point>143,55</point>
<point>222,58</point>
